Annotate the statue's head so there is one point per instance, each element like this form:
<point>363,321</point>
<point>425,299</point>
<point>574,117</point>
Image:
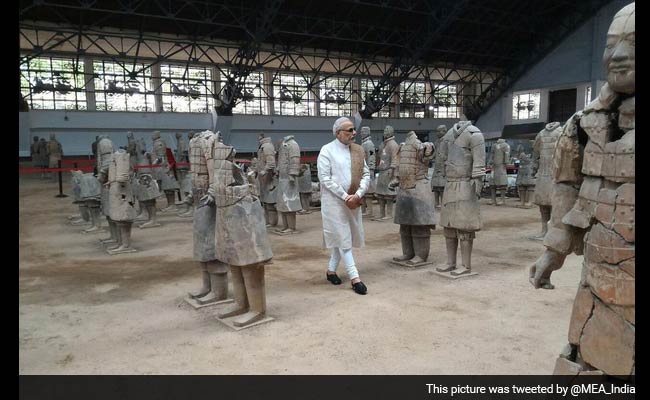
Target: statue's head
<point>155,135</point>
<point>365,132</point>
<point>619,55</point>
<point>190,135</point>
<point>35,138</point>
<point>129,135</point>
<point>178,135</point>
<point>389,132</point>
<point>441,130</point>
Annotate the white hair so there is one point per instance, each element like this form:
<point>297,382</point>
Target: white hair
<point>338,123</point>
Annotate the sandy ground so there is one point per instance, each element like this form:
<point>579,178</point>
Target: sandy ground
<point>82,311</point>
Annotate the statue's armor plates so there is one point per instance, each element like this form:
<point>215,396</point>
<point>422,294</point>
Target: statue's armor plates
<point>465,160</point>
<point>147,188</point>
<point>241,236</point>
<point>525,174</point>
<point>288,197</point>
<point>371,158</point>
<point>89,187</point>
<point>121,200</point>
<point>266,168</point>
<point>414,204</point>
<point>438,179</point>
<point>543,149</point>
<point>500,157</point>
<point>387,160</point>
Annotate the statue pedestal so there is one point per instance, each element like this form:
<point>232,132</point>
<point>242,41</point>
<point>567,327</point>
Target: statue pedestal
<point>148,226</point>
<point>129,250</point>
<point>285,233</point>
<point>448,275</point>
<point>229,322</point>
<point>87,232</point>
<point>406,264</point>
<point>198,305</point>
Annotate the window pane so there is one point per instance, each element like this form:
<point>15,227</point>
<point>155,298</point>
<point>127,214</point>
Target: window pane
<point>123,88</point>
<point>525,105</point>
<point>291,95</point>
<point>53,83</point>
<point>186,89</point>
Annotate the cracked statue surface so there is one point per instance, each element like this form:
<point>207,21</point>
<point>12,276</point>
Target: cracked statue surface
<point>593,201</point>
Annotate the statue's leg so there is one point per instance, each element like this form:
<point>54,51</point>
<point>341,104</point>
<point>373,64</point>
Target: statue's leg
<point>273,214</point>
<point>421,243</point>
<point>218,272</point>
<point>285,223</point>
<point>407,243</point>
<point>389,206</point>
<point>466,241</point>
<point>382,207</point>
<point>239,294</point>
<point>451,241</point>
<point>291,222</point>
<point>255,289</point>
<point>205,278</point>
<point>493,194</point>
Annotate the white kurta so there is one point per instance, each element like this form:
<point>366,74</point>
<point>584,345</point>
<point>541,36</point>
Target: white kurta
<point>342,227</point>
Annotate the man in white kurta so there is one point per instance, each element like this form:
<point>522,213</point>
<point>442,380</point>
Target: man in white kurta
<point>344,179</point>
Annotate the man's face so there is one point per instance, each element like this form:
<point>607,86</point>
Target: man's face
<point>346,133</point>
<point>619,56</point>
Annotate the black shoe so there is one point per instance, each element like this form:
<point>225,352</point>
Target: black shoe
<point>359,288</point>
<point>334,279</point>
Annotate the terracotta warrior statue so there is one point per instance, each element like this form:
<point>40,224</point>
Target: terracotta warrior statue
<point>593,214</point>
<point>87,192</point>
<point>304,187</point>
<point>386,169</point>
<point>121,201</point>
<point>288,197</point>
<point>104,159</point>
<point>183,170</point>
<point>214,272</point>
<point>33,152</point>
<point>132,148</point>
<point>54,152</point>
<point>242,240</point>
<point>500,158</point>
<point>268,181</point>
<point>371,154</point>
<point>83,218</point>
<point>543,150</point>
<point>438,179</point>
<point>146,193</point>
<point>525,177</point>
<point>460,215</point>
<point>42,155</point>
<point>164,175</point>
<point>414,209</point>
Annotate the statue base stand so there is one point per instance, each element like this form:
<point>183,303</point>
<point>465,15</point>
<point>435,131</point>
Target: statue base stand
<point>87,232</point>
<point>281,233</point>
<point>129,250</point>
<point>77,222</point>
<point>407,264</point>
<point>149,226</point>
<point>448,275</point>
<point>229,322</point>
<point>381,219</point>
<point>198,305</point>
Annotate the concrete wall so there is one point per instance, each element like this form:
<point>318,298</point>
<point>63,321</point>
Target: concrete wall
<point>575,63</point>
<point>76,130</point>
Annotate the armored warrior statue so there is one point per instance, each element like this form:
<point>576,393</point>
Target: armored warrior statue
<point>132,148</point>
<point>242,239</point>
<point>267,178</point>
<point>146,193</point>
<point>387,165</point>
<point>164,175</point>
<point>414,210</point>
<point>543,150</point>
<point>83,218</point>
<point>33,153</point>
<point>104,159</point>
<point>87,192</point>
<point>438,179</point>
<point>213,271</point>
<point>460,214</point>
<point>288,197</point>
<point>54,152</point>
<point>183,169</point>
<point>500,158</point>
<point>525,179</point>
<point>371,154</point>
<point>42,154</point>
<point>593,214</point>
<point>304,187</point>
<point>121,201</point>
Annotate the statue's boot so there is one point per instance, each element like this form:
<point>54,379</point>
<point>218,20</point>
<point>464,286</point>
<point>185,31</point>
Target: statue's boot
<point>205,288</point>
<point>290,219</point>
<point>118,237</point>
<point>143,215</point>
<point>368,203</point>
<point>466,256</point>
<point>151,210</point>
<point>170,201</point>
<point>382,210</point>
<point>188,213</point>
<point>273,216</point>
<point>545,212</point>
<point>452,249</point>
<point>305,200</point>
<point>218,289</point>
<point>389,208</point>
<point>503,195</point>
<point>255,289</point>
<point>407,244</point>
<point>285,223</point>
<point>184,208</point>
<point>493,195</point>
<point>95,221</point>
<point>529,193</point>
<point>239,294</point>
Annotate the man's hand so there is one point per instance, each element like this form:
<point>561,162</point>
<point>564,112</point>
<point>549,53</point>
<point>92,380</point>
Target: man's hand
<point>539,274</point>
<point>352,201</point>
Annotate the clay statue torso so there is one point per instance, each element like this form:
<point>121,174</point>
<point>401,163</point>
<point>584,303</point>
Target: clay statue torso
<point>414,205</point>
<point>387,160</point>
<point>500,157</point>
<point>543,150</point>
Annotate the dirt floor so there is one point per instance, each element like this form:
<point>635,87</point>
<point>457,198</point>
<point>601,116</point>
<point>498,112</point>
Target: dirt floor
<point>85,312</point>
